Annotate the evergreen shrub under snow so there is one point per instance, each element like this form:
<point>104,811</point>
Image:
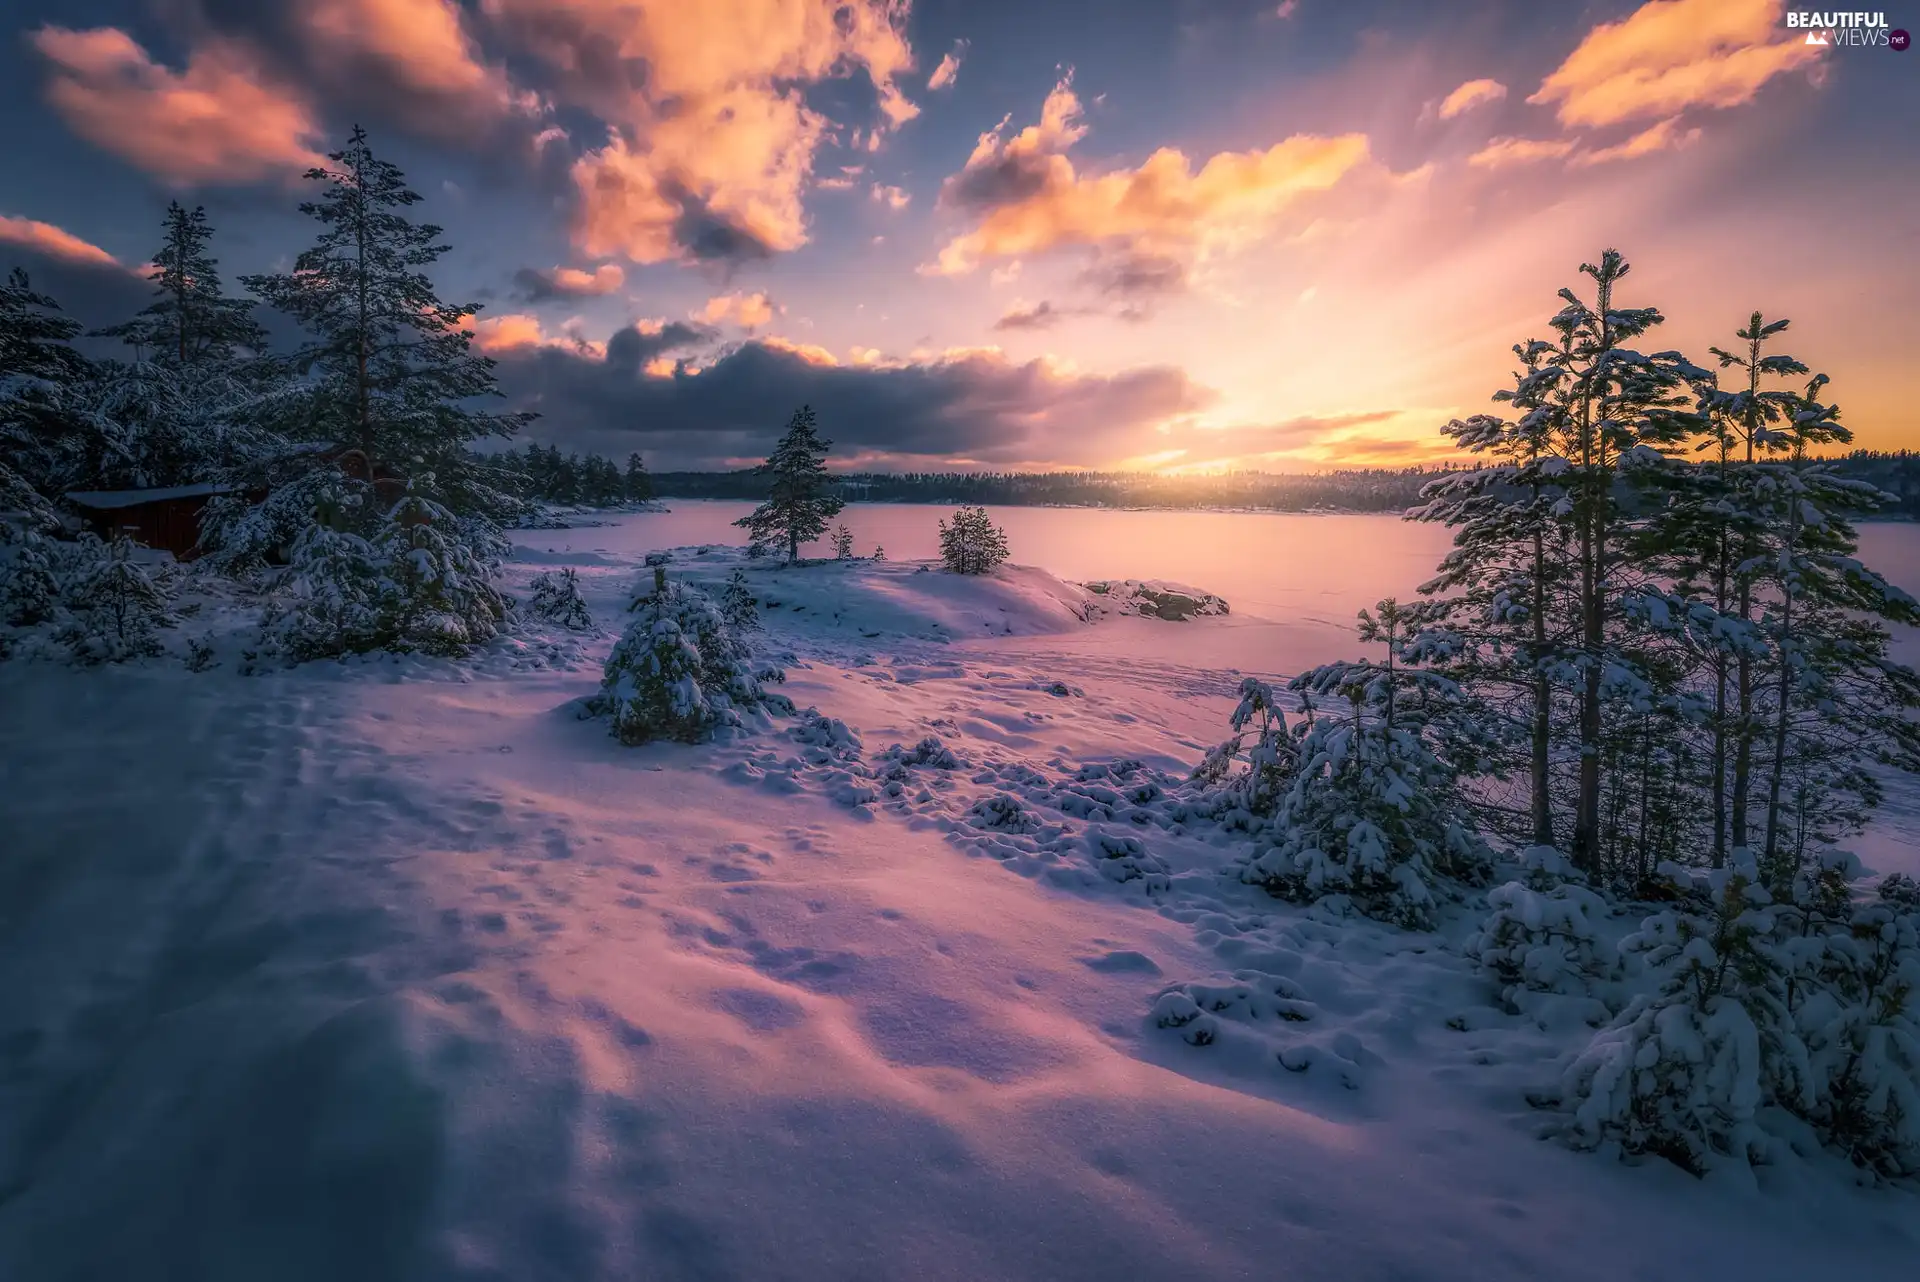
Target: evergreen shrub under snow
<point>557,599</point>
<point>1364,815</point>
<point>1541,932</point>
<point>679,672</point>
<point>114,610</point>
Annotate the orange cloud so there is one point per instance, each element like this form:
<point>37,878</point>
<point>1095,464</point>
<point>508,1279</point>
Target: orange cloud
<point>811,353</point>
<point>949,69</point>
<point>54,242</point>
<point>1665,136</point>
<point>421,46</point>
<point>711,141</point>
<point>1669,55</point>
<point>1502,152</point>
<point>603,279</point>
<point>1470,95</point>
<point>749,311</point>
<point>518,332</point>
<point>220,120</point>
<point>892,197</point>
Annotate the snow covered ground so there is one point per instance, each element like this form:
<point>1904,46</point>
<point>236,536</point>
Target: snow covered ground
<point>403,970</point>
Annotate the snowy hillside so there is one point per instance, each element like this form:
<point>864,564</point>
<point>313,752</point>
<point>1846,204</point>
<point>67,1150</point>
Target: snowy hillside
<point>403,969</point>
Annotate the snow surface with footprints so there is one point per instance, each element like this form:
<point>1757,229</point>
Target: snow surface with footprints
<point>402,969</point>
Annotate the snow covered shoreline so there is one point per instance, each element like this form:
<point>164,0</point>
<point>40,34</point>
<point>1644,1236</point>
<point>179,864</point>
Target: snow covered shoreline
<point>424,976</point>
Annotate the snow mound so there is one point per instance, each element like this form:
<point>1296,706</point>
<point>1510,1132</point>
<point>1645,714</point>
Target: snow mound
<point>873,599</point>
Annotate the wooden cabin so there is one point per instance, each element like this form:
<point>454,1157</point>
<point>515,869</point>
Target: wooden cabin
<point>167,519</point>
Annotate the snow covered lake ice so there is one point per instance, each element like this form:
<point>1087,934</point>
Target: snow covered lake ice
<point>401,970</point>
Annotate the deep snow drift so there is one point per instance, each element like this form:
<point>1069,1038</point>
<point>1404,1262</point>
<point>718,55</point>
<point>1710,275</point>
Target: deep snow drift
<point>401,969</point>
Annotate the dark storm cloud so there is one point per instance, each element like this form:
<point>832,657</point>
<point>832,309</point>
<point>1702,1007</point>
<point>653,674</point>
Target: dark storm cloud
<point>96,295</point>
<point>974,405</point>
<point>632,348</point>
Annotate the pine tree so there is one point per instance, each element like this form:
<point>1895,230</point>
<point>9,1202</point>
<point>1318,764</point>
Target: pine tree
<point>639,485</point>
<point>393,366</point>
<point>799,506</point>
<point>444,600</point>
<point>117,609</point>
<point>46,445</point>
<point>679,672</point>
<point>971,543</point>
<point>191,322</point>
<point>557,599</point>
<point>842,543</point>
<point>738,605</point>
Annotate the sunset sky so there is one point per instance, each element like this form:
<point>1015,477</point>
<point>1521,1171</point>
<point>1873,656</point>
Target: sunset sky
<point>1157,233</point>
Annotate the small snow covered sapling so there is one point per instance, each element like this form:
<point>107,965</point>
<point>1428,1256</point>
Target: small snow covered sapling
<point>118,610</point>
<point>446,601</point>
<point>1855,995</point>
<point>879,553</point>
<point>557,599</point>
<point>738,606</point>
<point>971,543</point>
<point>842,543</point>
<point>1540,935</point>
<point>1255,792</point>
<point>679,672</point>
<point>1683,1071</point>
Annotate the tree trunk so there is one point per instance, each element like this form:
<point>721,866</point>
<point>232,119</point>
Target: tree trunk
<point>1542,700</point>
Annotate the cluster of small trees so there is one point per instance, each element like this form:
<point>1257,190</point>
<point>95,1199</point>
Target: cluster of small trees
<point>385,369</point>
<point>589,480</point>
<point>1653,647</point>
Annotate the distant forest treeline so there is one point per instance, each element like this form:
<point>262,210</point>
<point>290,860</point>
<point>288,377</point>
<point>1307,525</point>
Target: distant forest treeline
<point>1352,490</point>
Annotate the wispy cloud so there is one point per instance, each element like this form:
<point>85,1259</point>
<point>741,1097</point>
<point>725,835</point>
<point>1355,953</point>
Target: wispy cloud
<point>1472,94</point>
<point>54,242</point>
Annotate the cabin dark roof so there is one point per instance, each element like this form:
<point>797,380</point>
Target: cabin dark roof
<point>105,500</point>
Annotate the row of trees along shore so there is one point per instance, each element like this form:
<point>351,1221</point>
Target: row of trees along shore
<point>1345,489</point>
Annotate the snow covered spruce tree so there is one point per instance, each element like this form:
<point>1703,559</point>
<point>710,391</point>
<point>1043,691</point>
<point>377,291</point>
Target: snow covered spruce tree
<point>445,601</point>
<point>971,543</point>
<point>47,445</point>
<point>1685,1069</point>
<point>388,371</point>
<point>198,401</point>
<point>391,368</point>
<point>335,596</point>
<point>1246,797</point>
<point>557,599</point>
<point>1541,933</point>
<point>800,504</point>
<point>191,321</point>
<point>679,672</point>
<point>1372,808</point>
<point>738,606</point>
<point>115,609</point>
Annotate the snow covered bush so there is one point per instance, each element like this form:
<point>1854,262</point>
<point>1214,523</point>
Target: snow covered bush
<point>557,599</point>
<point>1365,815</point>
<point>1540,934</point>
<point>29,590</point>
<point>1855,994</point>
<point>679,672</point>
<point>971,543</point>
<point>334,598</point>
<point>1684,1070</point>
<point>445,601</point>
<point>114,608</point>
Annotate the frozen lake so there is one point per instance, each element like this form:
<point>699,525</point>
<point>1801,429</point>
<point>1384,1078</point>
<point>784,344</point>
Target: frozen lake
<point>1294,580</point>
